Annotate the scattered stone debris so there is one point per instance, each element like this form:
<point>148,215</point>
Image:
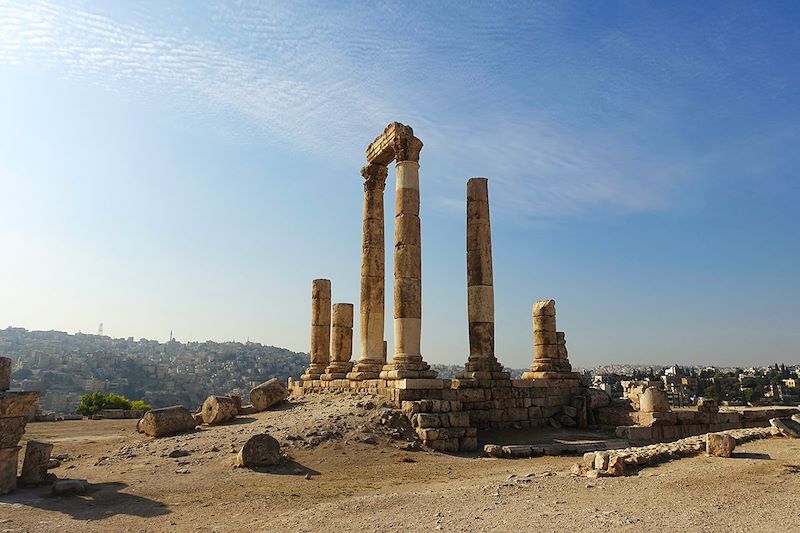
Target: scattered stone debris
<point>178,453</point>
<point>788,427</point>
<point>166,421</point>
<point>623,461</point>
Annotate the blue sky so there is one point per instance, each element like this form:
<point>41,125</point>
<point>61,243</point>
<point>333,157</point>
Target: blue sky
<point>193,166</point>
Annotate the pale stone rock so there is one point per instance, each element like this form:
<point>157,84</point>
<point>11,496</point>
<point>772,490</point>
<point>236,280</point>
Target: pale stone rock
<point>70,486</point>
<point>166,421</point>
<point>787,426</point>
<point>720,444</point>
<point>653,400</point>
<point>616,466</point>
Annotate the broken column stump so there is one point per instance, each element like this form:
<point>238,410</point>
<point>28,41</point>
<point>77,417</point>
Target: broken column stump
<point>166,421</point>
<point>267,394</point>
<point>218,409</point>
<point>37,458</point>
<point>259,450</point>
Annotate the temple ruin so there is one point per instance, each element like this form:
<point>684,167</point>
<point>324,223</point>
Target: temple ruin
<point>446,413</point>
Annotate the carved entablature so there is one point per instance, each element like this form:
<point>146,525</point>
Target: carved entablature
<point>396,143</point>
<point>374,176</point>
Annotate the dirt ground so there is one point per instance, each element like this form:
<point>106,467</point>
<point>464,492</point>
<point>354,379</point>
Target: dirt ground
<point>360,480</point>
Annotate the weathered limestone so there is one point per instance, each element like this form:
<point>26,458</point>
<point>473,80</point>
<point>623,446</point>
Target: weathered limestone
<point>788,427</point>
<point>654,400</point>
<point>373,276</point>
<point>269,393</point>
<point>166,421</point>
<point>37,458</point>
<point>482,363</point>
<point>218,409</point>
<point>320,329</point>
<point>550,359</point>
<point>5,373</point>
<point>11,430</point>
<point>341,342</point>
<point>259,450</point>
<point>720,444</point>
<point>8,469</point>
<point>407,361</point>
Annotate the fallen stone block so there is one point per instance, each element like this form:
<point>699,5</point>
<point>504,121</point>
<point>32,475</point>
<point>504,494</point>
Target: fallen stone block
<point>787,426</point>
<point>267,394</point>
<point>36,463</point>
<point>259,450</point>
<point>720,444</point>
<point>11,430</point>
<point>218,409</point>
<point>493,450</point>
<point>166,421</point>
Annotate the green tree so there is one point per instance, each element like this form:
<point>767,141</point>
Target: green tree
<point>95,402</point>
<point>139,405</point>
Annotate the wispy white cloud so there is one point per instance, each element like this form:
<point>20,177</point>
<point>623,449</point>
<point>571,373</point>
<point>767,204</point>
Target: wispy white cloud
<point>324,79</point>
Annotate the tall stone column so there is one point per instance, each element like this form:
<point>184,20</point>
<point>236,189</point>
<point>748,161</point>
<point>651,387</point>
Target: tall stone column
<point>341,343</point>
<point>320,329</point>
<point>407,361</point>
<point>373,277</point>
<point>482,363</point>
<point>549,361</point>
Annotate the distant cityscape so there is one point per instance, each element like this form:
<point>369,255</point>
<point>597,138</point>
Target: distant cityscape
<point>66,366</point>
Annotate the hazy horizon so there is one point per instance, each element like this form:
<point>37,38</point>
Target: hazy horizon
<point>192,166</point>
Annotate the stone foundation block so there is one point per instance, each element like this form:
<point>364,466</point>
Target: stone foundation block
<point>468,444</point>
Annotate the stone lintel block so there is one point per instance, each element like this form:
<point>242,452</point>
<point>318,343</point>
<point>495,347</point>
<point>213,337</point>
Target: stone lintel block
<point>428,384</point>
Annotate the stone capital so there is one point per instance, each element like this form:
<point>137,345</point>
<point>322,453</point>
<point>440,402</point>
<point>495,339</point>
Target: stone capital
<point>374,176</point>
<point>406,148</point>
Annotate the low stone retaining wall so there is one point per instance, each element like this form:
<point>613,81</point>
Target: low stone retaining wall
<point>685,423</point>
<point>619,462</point>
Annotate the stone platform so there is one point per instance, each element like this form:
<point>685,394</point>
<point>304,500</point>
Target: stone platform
<point>447,413</point>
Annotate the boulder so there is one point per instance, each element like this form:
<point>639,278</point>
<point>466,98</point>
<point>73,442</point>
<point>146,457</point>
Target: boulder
<point>720,444</point>
<point>566,421</point>
<point>267,394</point>
<point>787,426</point>
<point>166,421</point>
<point>37,461</point>
<point>653,400</point>
<point>218,409</point>
<point>493,450</point>
<point>598,398</point>
<point>259,450</point>
<point>569,411</point>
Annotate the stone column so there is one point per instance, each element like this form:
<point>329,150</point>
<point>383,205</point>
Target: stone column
<point>482,363</point>
<point>341,343</point>
<point>549,361</point>
<point>320,328</point>
<point>373,277</point>
<point>407,361</point>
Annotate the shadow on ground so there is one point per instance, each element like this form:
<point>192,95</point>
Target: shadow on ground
<point>743,455</point>
<point>286,468</point>
<point>101,501</point>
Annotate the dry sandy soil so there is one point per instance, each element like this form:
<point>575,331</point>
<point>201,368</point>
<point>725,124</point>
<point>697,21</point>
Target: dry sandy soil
<point>360,480</point>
